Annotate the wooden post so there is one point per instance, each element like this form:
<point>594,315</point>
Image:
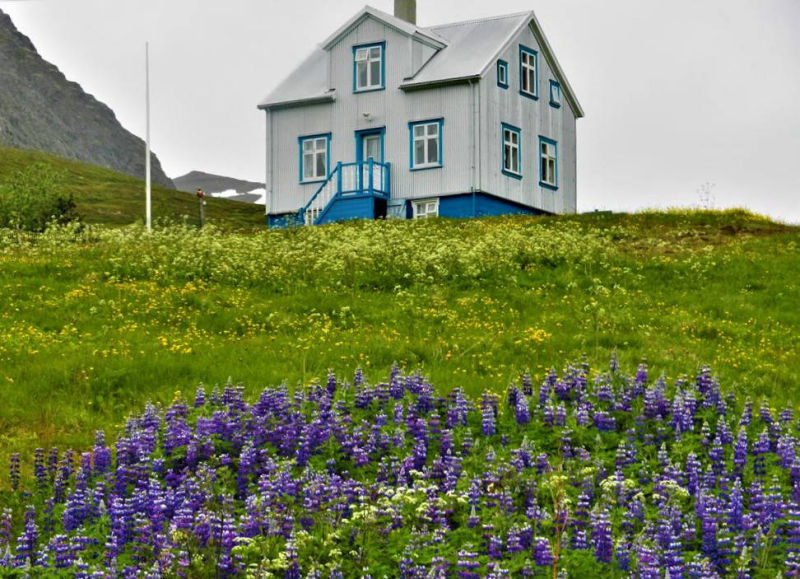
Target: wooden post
<point>202,201</point>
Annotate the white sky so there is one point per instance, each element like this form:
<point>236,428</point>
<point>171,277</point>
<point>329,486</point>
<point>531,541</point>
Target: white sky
<point>677,93</point>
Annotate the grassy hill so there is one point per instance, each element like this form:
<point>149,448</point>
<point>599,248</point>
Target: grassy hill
<point>95,323</point>
<point>110,198</point>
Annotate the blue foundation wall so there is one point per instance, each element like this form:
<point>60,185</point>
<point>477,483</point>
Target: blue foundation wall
<point>451,206</point>
<point>480,205</point>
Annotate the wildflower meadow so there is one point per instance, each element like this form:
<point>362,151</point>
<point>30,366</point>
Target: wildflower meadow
<point>583,474</point>
<point>482,453</point>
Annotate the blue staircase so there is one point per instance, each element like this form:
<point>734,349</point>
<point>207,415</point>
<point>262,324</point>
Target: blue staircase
<point>348,182</point>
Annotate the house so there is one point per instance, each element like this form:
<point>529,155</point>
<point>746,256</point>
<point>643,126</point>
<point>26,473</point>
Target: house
<point>389,119</point>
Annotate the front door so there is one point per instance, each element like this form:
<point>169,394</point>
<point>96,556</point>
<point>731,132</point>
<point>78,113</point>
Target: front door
<point>371,148</point>
<point>369,145</point>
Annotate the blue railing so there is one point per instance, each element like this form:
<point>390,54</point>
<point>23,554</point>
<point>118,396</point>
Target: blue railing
<point>348,179</point>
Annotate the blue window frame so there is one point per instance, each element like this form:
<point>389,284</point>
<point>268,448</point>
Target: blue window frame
<point>548,163</point>
<point>425,144</point>
<point>369,67</point>
<point>315,157</point>
<point>528,72</point>
<point>555,94</point>
<point>511,143</point>
<point>502,74</point>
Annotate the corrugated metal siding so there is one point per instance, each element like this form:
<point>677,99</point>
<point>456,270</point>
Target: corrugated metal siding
<point>393,109</point>
<point>345,116</point>
<point>535,118</point>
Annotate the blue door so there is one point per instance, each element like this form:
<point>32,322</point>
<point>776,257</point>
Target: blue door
<point>369,145</point>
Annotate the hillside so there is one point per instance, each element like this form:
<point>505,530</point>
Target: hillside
<point>97,324</point>
<point>106,197</point>
<point>41,110</point>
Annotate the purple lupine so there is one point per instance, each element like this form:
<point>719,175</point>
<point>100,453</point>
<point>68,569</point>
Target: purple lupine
<point>601,535</point>
<point>487,420</point>
<point>39,469</point>
<point>580,522</point>
<point>467,565</point>
<point>542,553</point>
<point>13,471</point>
<point>527,384</point>
<point>522,411</point>
<point>27,541</point>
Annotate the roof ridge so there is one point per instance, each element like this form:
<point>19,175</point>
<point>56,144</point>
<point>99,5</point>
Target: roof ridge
<point>485,19</point>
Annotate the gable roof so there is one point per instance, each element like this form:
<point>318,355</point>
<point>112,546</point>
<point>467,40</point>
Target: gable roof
<point>306,84</point>
<point>465,50</point>
<point>425,35</point>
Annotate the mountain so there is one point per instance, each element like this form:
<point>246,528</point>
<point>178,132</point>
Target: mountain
<point>41,110</point>
<point>214,183</point>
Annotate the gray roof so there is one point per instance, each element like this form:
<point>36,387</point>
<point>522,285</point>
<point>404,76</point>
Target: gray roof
<point>465,50</point>
<point>471,47</point>
<point>307,83</point>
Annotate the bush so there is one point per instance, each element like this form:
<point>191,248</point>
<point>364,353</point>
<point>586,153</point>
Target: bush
<point>34,198</point>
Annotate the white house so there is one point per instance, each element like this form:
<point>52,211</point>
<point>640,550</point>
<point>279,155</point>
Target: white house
<point>389,119</point>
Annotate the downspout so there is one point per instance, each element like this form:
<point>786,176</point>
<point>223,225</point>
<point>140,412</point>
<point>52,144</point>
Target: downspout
<point>268,176</point>
<point>475,137</point>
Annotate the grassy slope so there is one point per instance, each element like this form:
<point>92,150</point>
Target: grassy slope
<point>111,198</point>
<point>81,346</point>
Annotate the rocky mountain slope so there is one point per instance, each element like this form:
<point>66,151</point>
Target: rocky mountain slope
<point>40,109</point>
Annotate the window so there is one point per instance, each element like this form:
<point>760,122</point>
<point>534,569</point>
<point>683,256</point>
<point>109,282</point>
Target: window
<point>314,158</point>
<point>502,74</point>
<point>548,163</point>
<point>511,151</point>
<point>368,67</point>
<point>426,144</point>
<point>426,208</point>
<point>528,72</point>
<point>555,94</point>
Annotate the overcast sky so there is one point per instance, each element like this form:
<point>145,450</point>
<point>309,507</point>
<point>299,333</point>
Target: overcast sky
<point>682,97</point>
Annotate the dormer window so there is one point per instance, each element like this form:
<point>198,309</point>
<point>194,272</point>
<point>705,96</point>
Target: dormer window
<point>369,67</point>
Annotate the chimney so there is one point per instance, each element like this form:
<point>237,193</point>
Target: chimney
<point>406,10</point>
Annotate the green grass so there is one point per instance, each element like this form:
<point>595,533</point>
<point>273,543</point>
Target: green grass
<point>106,197</point>
<point>94,323</point>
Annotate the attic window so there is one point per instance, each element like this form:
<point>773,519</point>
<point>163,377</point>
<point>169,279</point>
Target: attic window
<point>555,94</point>
<point>502,74</point>
<point>528,72</point>
<point>368,67</point>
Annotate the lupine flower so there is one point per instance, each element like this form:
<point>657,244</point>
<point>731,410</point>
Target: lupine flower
<point>542,553</point>
<point>601,536</point>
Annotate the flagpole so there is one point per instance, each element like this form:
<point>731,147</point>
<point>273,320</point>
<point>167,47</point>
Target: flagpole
<point>147,146</point>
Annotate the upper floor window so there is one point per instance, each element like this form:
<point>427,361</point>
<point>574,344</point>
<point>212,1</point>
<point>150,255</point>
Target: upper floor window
<point>369,67</point>
<point>548,163</point>
<point>511,151</point>
<point>528,72</point>
<point>555,94</point>
<point>426,144</point>
<point>502,74</point>
<point>314,157</point>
